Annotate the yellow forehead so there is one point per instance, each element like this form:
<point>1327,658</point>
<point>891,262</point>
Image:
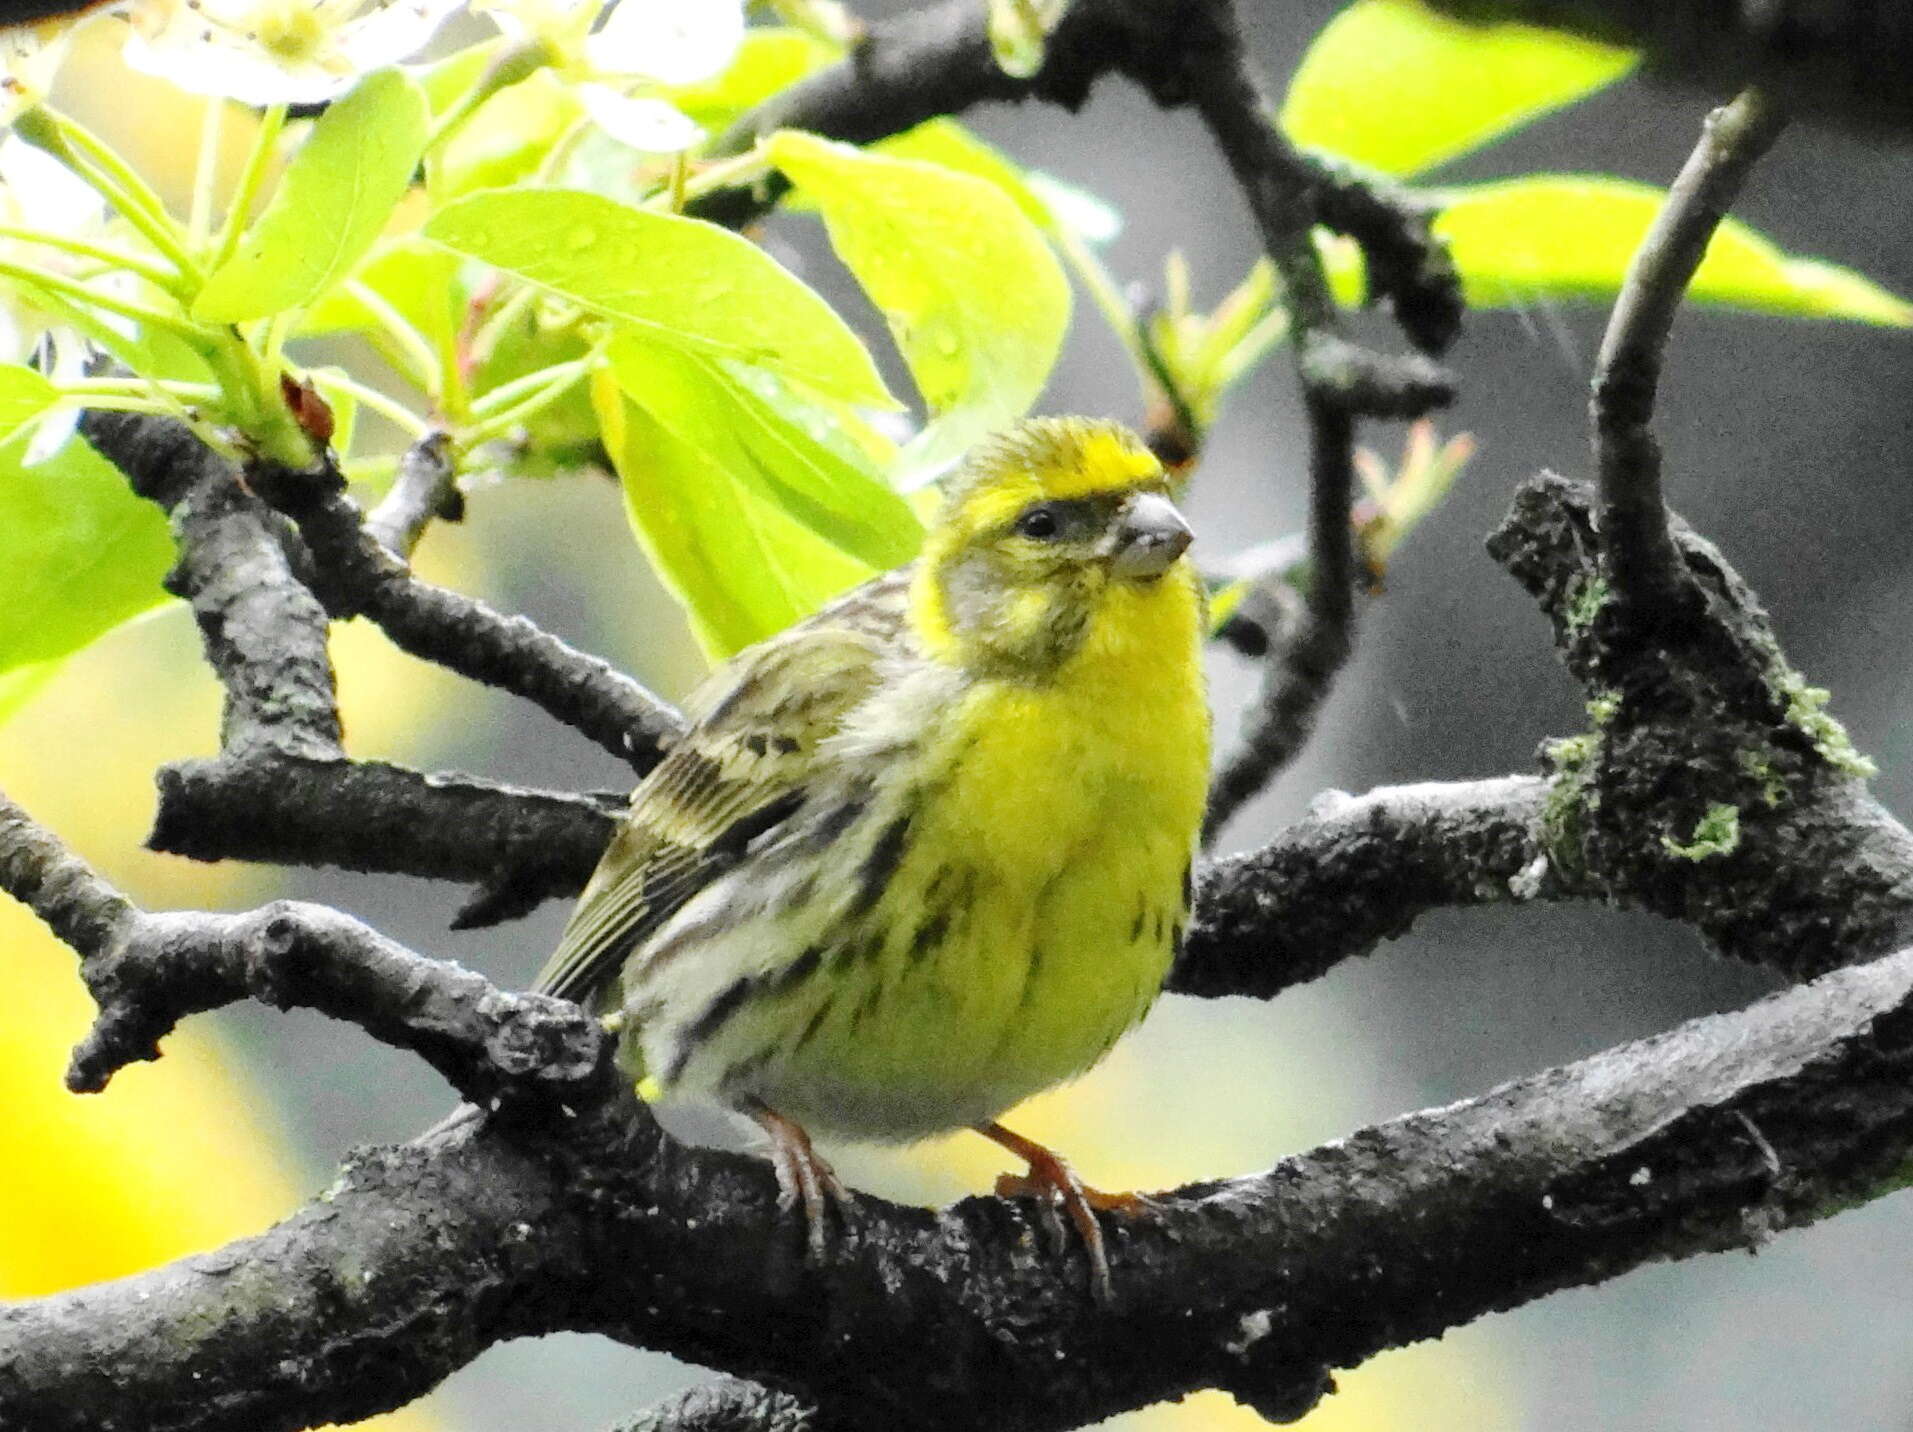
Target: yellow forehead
<point>1105,459</point>
<point>1048,459</point>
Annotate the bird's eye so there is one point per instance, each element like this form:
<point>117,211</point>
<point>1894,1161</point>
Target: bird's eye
<point>1039,523</point>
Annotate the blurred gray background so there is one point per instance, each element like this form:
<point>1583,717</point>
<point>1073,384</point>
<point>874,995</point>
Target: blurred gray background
<point>1786,442</point>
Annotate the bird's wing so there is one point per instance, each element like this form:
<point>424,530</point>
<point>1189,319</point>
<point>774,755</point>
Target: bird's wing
<point>742,769</point>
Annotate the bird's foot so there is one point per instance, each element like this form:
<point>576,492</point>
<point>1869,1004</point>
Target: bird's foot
<point>1051,1180</point>
<point>803,1178</point>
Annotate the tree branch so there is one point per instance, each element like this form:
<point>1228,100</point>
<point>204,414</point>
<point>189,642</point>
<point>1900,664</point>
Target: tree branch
<point>1256,1285</point>
<point>1301,665</point>
<point>1712,787</point>
<point>1645,571</point>
<point>1354,872</point>
<point>727,1404</point>
<point>263,631</point>
<point>147,972</point>
<point>520,847</point>
<point>282,789</point>
<point>358,576</point>
<point>1340,382</point>
<point>426,487</point>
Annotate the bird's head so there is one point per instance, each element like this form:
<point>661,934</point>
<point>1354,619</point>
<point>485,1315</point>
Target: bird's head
<point>1050,530</point>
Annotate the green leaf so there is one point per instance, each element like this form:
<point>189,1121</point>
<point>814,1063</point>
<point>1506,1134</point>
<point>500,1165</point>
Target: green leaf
<point>335,198</point>
<point>1572,236</point>
<point>419,280</point>
<point>25,398</point>
<point>742,567</point>
<point>508,138</point>
<point>1391,84</point>
<point>1046,201</point>
<point>81,552</point>
<point>974,297</point>
<point>951,145</point>
<point>784,454</point>
<point>678,280</point>
<point>772,58</point>
<point>445,82</point>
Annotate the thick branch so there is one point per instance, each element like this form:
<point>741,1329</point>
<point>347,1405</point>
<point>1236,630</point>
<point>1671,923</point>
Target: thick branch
<point>1356,871</point>
<point>1711,1136</point>
<point>146,972</point>
<point>1713,787</point>
<point>1642,563</point>
<point>520,847</point>
<point>727,1404</point>
<point>263,631</point>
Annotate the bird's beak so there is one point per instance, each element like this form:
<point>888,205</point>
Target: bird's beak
<point>1150,535</point>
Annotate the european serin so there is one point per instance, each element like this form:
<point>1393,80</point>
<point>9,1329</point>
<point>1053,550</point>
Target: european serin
<point>927,852</point>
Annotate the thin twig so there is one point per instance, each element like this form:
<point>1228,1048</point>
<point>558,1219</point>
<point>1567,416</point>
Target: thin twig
<point>426,487</point>
<point>357,575</point>
<point>1298,674</point>
<point>1643,567</point>
<point>1340,382</point>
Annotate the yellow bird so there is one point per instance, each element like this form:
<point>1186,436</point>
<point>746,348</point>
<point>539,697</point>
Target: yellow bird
<point>928,851</point>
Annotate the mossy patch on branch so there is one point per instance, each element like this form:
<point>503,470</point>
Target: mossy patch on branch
<point>1586,597</point>
<point>1807,713</point>
<point>1715,833</point>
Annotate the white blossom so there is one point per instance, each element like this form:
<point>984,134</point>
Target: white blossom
<point>617,52</point>
<point>642,121</point>
<point>263,52</point>
<point>675,42</point>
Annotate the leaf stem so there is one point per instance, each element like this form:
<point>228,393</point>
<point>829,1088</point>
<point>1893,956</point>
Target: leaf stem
<point>384,404</point>
<point>116,181</point>
<point>560,379</point>
<point>506,395</point>
<point>239,208</point>
<point>205,173</point>
<point>91,297</point>
<point>420,361</point>
<point>734,172</point>
<point>112,258</point>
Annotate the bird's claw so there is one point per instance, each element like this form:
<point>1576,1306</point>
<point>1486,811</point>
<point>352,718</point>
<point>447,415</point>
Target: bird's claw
<point>1058,1191</point>
<point>804,1180</point>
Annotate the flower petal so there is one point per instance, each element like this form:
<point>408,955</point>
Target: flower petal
<point>678,42</point>
<point>45,194</point>
<point>264,52</point>
<point>653,125</point>
<point>393,32</point>
<point>51,433</point>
